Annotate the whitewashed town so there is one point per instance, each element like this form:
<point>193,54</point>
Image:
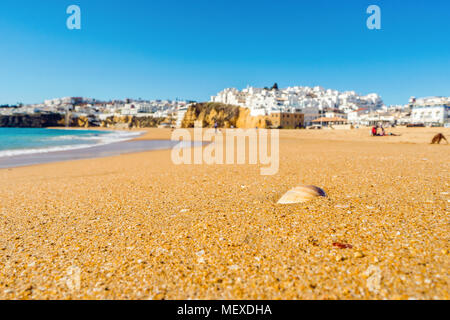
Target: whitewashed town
<point>320,108</point>
<point>90,106</point>
<point>326,107</point>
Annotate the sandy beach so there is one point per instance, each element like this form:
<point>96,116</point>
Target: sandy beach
<point>136,226</point>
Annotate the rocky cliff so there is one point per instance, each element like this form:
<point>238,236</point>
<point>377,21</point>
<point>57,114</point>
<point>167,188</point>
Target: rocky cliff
<point>32,121</point>
<point>58,120</point>
<point>208,114</point>
<point>131,122</point>
<point>226,116</point>
<point>246,121</point>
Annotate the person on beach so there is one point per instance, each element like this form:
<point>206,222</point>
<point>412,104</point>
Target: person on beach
<point>383,132</point>
<point>216,126</point>
<point>374,131</point>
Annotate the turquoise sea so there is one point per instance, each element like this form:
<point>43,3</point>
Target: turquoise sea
<point>20,141</point>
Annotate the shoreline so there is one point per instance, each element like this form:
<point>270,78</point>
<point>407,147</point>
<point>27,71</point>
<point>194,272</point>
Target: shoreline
<point>43,152</point>
<point>85,153</point>
<point>149,138</point>
<point>144,131</point>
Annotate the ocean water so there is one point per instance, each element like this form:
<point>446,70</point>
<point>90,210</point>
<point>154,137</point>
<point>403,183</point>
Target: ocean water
<point>27,141</point>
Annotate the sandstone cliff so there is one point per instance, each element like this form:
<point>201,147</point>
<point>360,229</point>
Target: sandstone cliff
<point>226,116</point>
<point>131,122</point>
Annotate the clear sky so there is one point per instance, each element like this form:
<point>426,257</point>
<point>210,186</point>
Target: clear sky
<point>193,49</point>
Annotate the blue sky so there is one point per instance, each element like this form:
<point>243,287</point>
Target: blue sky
<point>192,49</point>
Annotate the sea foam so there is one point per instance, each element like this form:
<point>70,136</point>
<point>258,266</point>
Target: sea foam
<point>95,140</point>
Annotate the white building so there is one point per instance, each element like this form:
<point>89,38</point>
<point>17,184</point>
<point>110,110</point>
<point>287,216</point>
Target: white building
<point>310,114</point>
<point>180,115</point>
<point>296,99</point>
<point>354,117</point>
<point>431,115</point>
<point>335,114</point>
<point>431,111</point>
<point>129,109</point>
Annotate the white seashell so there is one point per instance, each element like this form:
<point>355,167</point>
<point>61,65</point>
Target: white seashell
<point>302,194</point>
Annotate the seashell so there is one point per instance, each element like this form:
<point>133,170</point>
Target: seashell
<point>302,194</point>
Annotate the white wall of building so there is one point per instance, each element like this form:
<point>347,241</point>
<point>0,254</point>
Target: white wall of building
<point>295,99</point>
<point>429,115</point>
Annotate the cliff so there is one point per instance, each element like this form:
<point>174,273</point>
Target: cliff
<point>131,122</point>
<point>32,121</point>
<point>226,116</point>
<point>246,121</point>
<point>58,120</point>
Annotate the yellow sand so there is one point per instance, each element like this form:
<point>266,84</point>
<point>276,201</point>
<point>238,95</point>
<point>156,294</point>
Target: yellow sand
<point>138,227</point>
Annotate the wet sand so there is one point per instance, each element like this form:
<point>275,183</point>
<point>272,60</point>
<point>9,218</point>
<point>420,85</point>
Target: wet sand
<point>101,151</point>
<point>136,226</point>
